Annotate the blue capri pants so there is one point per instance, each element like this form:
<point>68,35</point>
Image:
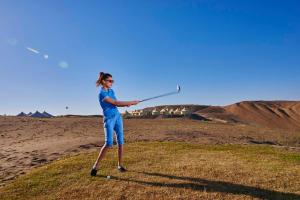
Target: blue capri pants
<point>111,125</point>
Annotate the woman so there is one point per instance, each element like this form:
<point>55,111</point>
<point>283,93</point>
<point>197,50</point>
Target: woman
<point>112,119</point>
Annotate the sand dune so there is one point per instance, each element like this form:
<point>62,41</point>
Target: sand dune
<point>271,114</point>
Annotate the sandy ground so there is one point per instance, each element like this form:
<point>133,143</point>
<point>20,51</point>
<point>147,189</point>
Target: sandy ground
<point>273,114</point>
<point>28,142</point>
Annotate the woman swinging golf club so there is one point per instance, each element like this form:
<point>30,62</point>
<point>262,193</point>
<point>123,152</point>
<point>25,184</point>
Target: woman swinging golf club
<point>112,119</point>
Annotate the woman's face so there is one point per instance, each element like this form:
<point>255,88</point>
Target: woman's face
<point>108,82</point>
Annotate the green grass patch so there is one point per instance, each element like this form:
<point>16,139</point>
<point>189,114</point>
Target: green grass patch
<point>166,170</point>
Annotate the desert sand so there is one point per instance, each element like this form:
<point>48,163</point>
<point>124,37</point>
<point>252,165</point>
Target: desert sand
<point>28,142</point>
<point>272,114</point>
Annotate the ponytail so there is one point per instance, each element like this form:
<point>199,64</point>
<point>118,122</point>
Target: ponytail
<point>102,76</point>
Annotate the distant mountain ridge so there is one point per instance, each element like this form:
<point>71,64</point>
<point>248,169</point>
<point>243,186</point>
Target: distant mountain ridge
<point>37,114</point>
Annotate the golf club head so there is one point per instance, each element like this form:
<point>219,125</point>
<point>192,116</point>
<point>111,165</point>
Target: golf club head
<point>178,88</point>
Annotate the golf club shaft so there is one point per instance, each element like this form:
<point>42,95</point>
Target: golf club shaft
<point>162,95</point>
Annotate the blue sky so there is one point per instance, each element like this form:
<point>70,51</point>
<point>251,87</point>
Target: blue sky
<point>220,52</point>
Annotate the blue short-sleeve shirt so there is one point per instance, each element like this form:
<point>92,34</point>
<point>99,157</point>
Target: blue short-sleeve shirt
<point>109,110</point>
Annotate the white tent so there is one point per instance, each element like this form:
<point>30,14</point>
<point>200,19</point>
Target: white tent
<point>185,111</point>
<point>177,112</point>
<point>155,112</point>
<point>164,111</point>
<point>171,111</point>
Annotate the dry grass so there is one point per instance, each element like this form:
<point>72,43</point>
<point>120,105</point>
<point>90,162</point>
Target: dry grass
<point>29,142</point>
<point>167,170</point>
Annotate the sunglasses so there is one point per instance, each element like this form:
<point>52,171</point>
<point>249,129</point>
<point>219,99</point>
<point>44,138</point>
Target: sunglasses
<point>110,80</point>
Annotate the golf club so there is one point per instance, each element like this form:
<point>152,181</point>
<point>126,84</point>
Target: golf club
<point>163,95</point>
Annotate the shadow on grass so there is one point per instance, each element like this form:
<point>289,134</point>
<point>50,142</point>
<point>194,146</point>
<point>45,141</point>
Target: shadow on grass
<point>199,184</point>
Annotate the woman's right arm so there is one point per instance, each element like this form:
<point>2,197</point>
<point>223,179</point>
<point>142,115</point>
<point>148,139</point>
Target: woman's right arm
<point>120,103</point>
